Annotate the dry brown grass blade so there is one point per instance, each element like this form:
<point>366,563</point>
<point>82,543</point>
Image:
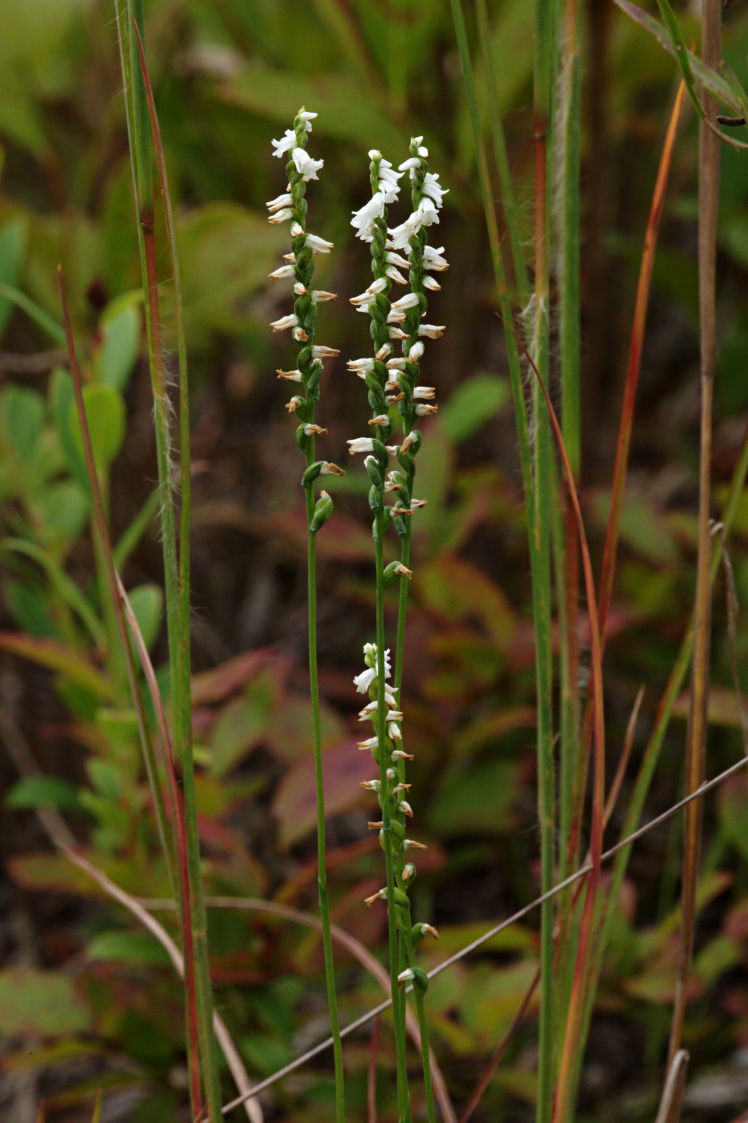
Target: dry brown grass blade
<point>560,887</point>
<point>698,711</point>
<point>357,950</point>
<point>672,1093</point>
<point>133,906</point>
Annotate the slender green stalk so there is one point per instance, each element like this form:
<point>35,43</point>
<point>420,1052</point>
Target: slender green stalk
<point>319,784</point>
<point>540,533</point>
<point>509,208</point>
<point>699,697</point>
<point>292,206</point>
<point>567,210</point>
<point>536,500</point>
<point>394,902</point>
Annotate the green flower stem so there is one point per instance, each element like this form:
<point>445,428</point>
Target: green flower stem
<point>394,911</point>
<point>324,904</point>
<point>310,370</point>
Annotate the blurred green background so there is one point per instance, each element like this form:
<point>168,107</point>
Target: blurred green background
<point>86,1000</point>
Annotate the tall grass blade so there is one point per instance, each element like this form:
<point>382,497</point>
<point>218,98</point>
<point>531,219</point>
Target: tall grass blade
<point>175,543</point>
<point>699,700</point>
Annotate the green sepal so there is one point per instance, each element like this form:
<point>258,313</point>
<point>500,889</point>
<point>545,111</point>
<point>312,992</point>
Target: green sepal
<point>302,439</point>
<point>390,574</point>
<point>397,830</point>
<point>314,375</point>
<point>311,473</point>
<point>374,471</point>
<point>323,510</point>
<point>381,453</point>
<point>374,498</point>
<point>420,979</point>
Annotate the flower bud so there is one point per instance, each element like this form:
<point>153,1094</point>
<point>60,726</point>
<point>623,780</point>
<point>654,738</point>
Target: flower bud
<point>323,510</point>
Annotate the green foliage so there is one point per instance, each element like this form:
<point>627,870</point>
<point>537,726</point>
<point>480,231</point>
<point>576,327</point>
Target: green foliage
<point>227,75</point>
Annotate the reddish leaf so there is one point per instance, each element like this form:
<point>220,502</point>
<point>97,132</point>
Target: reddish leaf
<point>344,768</point>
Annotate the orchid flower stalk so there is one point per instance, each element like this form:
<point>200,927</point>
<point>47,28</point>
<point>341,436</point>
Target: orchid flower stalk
<point>291,206</point>
<point>392,380</point>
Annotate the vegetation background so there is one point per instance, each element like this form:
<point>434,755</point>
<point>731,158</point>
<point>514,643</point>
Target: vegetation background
<point>87,1000</point>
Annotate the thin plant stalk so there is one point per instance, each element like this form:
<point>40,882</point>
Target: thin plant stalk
<point>625,844</point>
<point>699,699</point>
<point>130,17</point>
<point>398,999</point>
<point>623,442</point>
<point>538,329</point>
<point>319,785</point>
<point>567,209</point>
<point>291,206</point>
<point>101,530</point>
<point>538,521</point>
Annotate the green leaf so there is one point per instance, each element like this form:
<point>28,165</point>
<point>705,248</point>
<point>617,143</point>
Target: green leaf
<point>12,248</point>
<point>120,345</point>
<point>226,252</point>
<point>43,791</point>
<point>482,800</point>
<point>29,608</point>
<point>40,1003</point>
<point>343,111</point>
<point>147,602</point>
<point>139,948</point>
<point>21,416</point>
<point>473,403</point>
<point>56,657</point>
<point>64,506</point>
<point>105,413</point>
<point>34,311</point>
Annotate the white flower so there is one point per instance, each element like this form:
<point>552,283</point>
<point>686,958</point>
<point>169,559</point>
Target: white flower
<point>360,444</point>
<point>290,375</point>
<point>393,258</point>
<point>383,352</point>
<point>395,275</point>
<point>406,976</point>
<point>316,244</point>
<point>429,283</point>
<point>319,351</point>
<point>431,331</point>
<point>432,259</point>
<point>433,189</point>
<point>370,743</point>
<point>283,215</point>
<point>410,300</point>
<point>320,295</point>
<point>370,785</point>
<point>284,200</point>
<point>307,117</point>
<point>305,165</point>
<point>281,272</point>
<point>363,301</point>
<point>330,469</point>
<point>285,144</point>
<point>426,410</point>
<point>425,393</point>
<point>428,212</point>
<point>416,352</point>
<point>290,321</point>
<point>410,165</point>
<point>360,366</point>
<point>388,181</point>
<point>364,219</point>
<point>399,238</point>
